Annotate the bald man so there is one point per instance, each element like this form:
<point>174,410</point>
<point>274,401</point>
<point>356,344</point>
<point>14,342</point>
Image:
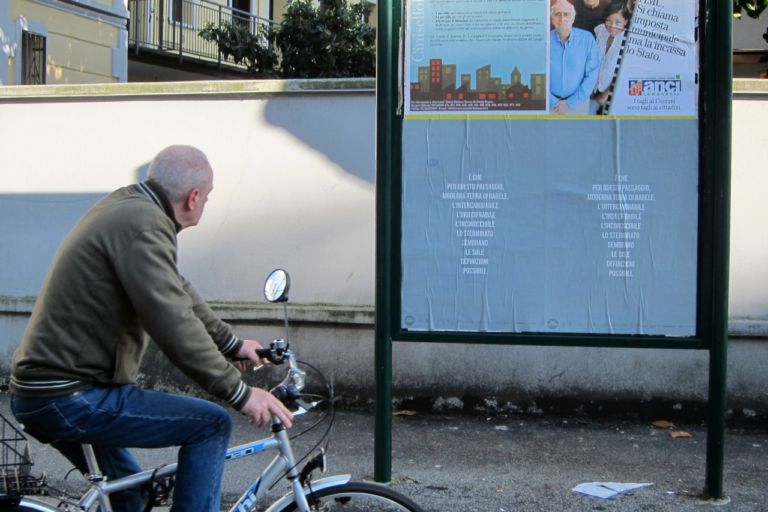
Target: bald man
<point>113,280</point>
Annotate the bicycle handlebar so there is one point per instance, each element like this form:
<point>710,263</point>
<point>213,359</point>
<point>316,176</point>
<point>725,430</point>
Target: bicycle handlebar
<point>264,353</point>
<point>286,393</point>
<point>289,391</point>
<point>277,352</point>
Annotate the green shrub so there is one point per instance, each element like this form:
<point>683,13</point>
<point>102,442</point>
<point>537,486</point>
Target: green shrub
<point>330,41</point>
<point>753,8</point>
<point>236,40</point>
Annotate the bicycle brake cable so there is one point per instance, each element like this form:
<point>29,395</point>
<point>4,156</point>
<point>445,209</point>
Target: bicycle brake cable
<point>331,414</point>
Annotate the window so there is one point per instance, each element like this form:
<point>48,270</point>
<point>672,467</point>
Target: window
<point>32,58</point>
<point>183,12</point>
<point>241,12</point>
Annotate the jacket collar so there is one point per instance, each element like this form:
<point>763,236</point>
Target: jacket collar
<point>156,193</point>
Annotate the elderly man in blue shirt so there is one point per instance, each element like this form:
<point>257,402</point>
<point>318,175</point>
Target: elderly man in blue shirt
<point>574,62</point>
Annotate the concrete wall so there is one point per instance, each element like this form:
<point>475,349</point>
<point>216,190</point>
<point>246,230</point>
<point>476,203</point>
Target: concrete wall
<point>294,188</point>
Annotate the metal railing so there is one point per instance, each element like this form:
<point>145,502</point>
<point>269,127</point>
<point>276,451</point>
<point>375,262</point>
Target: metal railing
<point>173,26</point>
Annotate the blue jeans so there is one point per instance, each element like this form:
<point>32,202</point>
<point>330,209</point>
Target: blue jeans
<point>113,419</point>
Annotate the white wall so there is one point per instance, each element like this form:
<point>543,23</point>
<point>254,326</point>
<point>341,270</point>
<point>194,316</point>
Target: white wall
<point>294,187</point>
<point>748,299</point>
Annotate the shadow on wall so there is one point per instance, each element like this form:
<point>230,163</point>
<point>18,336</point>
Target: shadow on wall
<point>33,226</point>
<point>340,137</point>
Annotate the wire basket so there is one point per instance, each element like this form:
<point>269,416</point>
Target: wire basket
<point>16,464</point>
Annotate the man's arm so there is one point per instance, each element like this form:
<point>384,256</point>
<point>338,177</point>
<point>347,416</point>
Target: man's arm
<point>221,332</point>
<point>147,269</point>
<point>260,405</point>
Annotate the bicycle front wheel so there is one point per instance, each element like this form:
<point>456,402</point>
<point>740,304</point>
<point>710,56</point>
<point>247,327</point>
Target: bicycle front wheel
<point>357,497</point>
<point>39,507</point>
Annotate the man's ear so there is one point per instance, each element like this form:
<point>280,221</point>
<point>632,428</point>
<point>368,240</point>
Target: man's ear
<point>191,202</point>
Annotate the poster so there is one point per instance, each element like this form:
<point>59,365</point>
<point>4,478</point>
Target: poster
<point>470,56</point>
<point>657,74</point>
<point>578,215</point>
<point>523,57</point>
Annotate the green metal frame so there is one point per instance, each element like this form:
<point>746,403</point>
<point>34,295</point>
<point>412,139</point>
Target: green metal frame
<point>714,196</point>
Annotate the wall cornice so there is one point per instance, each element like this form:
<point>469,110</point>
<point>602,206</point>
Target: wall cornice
<point>237,88</point>
<point>235,312</point>
<point>749,86</point>
<point>741,86</point>
<point>338,314</point>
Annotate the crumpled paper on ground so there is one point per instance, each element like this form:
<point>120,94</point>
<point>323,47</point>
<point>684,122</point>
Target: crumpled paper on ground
<point>606,489</point>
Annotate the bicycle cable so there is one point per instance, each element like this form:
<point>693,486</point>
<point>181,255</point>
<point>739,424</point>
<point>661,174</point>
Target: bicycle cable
<point>331,414</point>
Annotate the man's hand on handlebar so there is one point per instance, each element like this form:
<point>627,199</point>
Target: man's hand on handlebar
<point>248,353</point>
<point>261,405</point>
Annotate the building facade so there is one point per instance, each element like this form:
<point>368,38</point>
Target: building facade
<point>63,42</point>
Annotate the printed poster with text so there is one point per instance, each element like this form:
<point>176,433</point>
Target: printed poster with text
<point>466,56</point>
<point>657,73</point>
<point>516,219</point>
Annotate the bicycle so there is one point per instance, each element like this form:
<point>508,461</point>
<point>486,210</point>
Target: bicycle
<point>334,493</point>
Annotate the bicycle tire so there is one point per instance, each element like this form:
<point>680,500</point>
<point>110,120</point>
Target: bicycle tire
<point>21,508</point>
<point>26,505</point>
<point>358,497</point>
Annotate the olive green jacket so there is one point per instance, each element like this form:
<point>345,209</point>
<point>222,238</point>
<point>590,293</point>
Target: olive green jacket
<point>113,281</point>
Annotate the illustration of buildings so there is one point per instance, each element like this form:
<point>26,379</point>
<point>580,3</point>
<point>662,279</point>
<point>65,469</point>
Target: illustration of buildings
<point>437,85</point>
<point>539,86</point>
<point>449,77</point>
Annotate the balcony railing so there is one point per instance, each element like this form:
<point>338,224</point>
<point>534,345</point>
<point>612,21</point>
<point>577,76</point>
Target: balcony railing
<point>173,26</point>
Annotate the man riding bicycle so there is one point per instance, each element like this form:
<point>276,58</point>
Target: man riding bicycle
<point>114,280</point>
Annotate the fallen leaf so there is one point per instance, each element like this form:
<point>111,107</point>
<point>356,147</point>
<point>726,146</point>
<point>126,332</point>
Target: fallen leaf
<point>679,433</point>
<point>404,412</point>
<point>663,424</point>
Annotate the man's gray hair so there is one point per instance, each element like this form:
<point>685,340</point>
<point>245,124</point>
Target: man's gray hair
<point>178,169</point>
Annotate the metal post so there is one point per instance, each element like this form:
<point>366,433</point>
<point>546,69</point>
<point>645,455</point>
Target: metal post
<point>161,25</point>
<point>721,74</point>
<point>387,149</point>
<point>135,20</point>
<point>181,32</point>
<point>218,48</point>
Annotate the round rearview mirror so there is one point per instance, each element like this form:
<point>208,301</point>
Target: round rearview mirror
<point>277,285</point>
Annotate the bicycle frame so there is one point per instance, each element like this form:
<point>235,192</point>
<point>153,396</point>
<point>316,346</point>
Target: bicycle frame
<point>283,464</point>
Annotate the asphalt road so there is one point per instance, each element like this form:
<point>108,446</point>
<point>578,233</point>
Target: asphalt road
<point>513,463</point>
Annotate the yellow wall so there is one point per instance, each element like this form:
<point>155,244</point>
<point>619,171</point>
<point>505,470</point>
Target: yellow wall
<point>69,57</point>
<point>278,8</point>
<point>260,8</point>
<point>78,49</point>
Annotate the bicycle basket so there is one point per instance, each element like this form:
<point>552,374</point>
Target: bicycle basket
<point>16,464</point>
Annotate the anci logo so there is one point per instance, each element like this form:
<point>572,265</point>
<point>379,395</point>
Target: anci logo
<point>655,87</point>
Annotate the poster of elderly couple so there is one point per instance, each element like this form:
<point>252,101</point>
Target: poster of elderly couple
<point>550,167</point>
